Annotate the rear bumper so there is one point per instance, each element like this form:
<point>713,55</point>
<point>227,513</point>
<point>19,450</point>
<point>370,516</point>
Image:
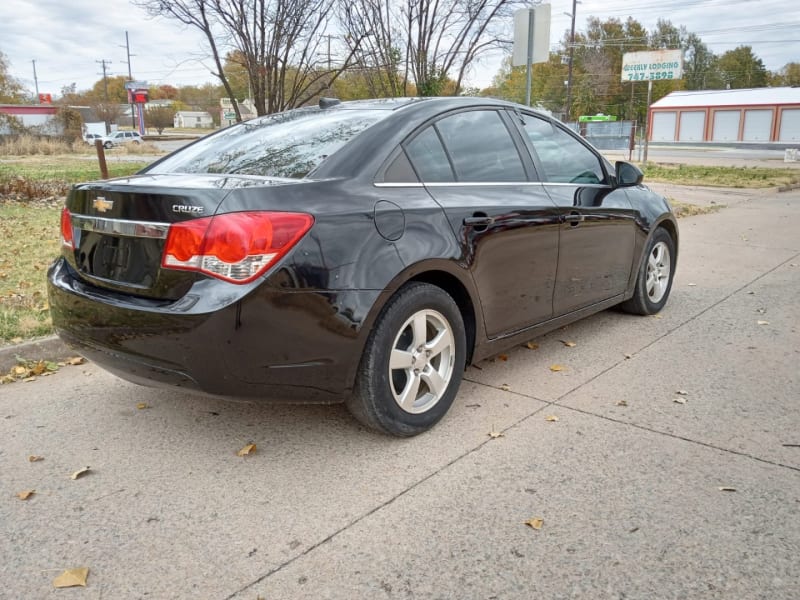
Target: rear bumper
<point>256,341</point>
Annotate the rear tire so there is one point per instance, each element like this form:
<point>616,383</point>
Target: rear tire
<point>654,281</point>
<point>412,364</point>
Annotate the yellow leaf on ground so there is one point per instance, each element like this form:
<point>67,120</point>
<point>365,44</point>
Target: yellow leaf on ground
<point>34,458</point>
<point>503,357</point>
<point>556,368</point>
<point>72,578</point>
<point>495,434</point>
<point>535,523</point>
<point>80,473</point>
<point>142,405</point>
<point>249,449</point>
<point>16,340</point>
<point>76,360</point>
<point>551,418</point>
<point>531,346</point>
<point>568,344</point>
<point>505,387</point>
<point>658,317</point>
<point>762,322</point>
<point>622,403</point>
<point>24,495</point>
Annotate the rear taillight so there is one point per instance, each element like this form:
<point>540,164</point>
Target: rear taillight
<point>67,240</point>
<point>236,247</point>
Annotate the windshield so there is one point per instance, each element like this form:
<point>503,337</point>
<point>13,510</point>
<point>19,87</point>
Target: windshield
<point>289,144</point>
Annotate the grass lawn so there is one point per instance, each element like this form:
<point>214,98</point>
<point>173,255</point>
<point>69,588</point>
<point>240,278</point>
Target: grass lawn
<point>30,234</point>
<point>736,177</point>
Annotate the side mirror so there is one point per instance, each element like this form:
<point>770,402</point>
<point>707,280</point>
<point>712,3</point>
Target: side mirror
<point>628,174</point>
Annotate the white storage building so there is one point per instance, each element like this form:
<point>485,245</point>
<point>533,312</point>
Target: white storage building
<point>751,115</point>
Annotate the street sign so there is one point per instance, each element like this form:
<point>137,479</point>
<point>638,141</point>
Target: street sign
<point>135,85</point>
<point>541,35</point>
<point>229,115</point>
<point>655,65</point>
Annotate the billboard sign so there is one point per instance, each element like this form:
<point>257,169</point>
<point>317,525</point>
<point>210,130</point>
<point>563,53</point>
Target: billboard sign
<point>654,65</point>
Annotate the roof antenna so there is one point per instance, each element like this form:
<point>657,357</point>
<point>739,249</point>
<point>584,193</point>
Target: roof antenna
<point>328,102</point>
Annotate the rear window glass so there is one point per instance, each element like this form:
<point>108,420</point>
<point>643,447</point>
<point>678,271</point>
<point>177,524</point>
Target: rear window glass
<point>289,144</point>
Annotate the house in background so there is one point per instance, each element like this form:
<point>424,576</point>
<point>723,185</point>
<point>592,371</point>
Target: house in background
<point>728,116</point>
<point>193,119</point>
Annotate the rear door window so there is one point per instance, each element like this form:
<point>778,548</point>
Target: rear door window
<point>430,160</point>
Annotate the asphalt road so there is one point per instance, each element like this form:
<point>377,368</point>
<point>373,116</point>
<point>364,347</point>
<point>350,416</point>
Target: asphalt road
<point>640,496</point>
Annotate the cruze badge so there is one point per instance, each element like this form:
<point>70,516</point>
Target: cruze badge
<point>100,204</point>
<point>185,208</point>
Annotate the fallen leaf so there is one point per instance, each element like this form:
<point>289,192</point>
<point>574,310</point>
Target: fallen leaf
<point>34,458</point>
<point>691,284</point>
<point>16,340</point>
<point>751,293</point>
<point>679,400</point>
<point>568,344</point>
<point>502,357</point>
<point>535,523</point>
<point>761,311</point>
<point>531,346</point>
<point>76,360</point>
<point>556,368</point>
<point>72,578</point>
<point>551,418</point>
<point>622,403</point>
<point>142,405</point>
<point>249,449</point>
<point>762,322</point>
<point>24,495</point>
<point>505,387</point>
<point>80,473</point>
<point>627,356</point>
<point>495,434</point>
<point>682,393</point>
<point>658,316</point>
<point>29,379</point>
<point>727,489</point>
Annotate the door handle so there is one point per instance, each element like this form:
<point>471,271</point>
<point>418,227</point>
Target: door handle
<point>478,221</point>
<point>573,218</point>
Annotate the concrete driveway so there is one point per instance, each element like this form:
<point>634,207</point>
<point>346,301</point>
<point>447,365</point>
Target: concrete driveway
<point>640,496</point>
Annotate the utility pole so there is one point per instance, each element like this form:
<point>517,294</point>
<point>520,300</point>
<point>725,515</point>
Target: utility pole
<point>103,62</point>
<point>130,76</point>
<point>571,55</point>
<point>36,82</point>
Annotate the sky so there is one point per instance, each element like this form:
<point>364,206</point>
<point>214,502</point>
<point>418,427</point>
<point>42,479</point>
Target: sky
<point>68,38</point>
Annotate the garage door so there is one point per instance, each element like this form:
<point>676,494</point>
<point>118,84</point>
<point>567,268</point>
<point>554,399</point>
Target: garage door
<point>757,126</point>
<point>663,127</point>
<point>790,125</point>
<point>693,125</point>
<point>726,126</point>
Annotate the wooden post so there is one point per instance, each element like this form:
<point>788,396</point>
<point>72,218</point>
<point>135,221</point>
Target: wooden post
<point>101,158</point>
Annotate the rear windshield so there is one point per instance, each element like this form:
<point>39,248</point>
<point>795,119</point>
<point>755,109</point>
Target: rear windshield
<point>290,144</point>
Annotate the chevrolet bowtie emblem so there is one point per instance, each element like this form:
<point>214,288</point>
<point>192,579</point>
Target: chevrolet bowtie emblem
<point>100,204</point>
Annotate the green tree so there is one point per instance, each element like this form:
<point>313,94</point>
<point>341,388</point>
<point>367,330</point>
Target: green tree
<point>11,91</point>
<point>740,68</point>
<point>700,70</point>
<point>160,117</point>
<point>788,75</point>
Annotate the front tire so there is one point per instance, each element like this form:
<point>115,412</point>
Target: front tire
<point>654,281</point>
<point>413,363</point>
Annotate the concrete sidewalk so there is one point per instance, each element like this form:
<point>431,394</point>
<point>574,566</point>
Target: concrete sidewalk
<point>632,487</point>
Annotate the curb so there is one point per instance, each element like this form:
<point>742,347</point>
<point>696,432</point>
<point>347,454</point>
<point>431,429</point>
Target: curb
<point>50,348</point>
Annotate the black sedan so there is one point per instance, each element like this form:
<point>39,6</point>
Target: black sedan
<point>363,252</point>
